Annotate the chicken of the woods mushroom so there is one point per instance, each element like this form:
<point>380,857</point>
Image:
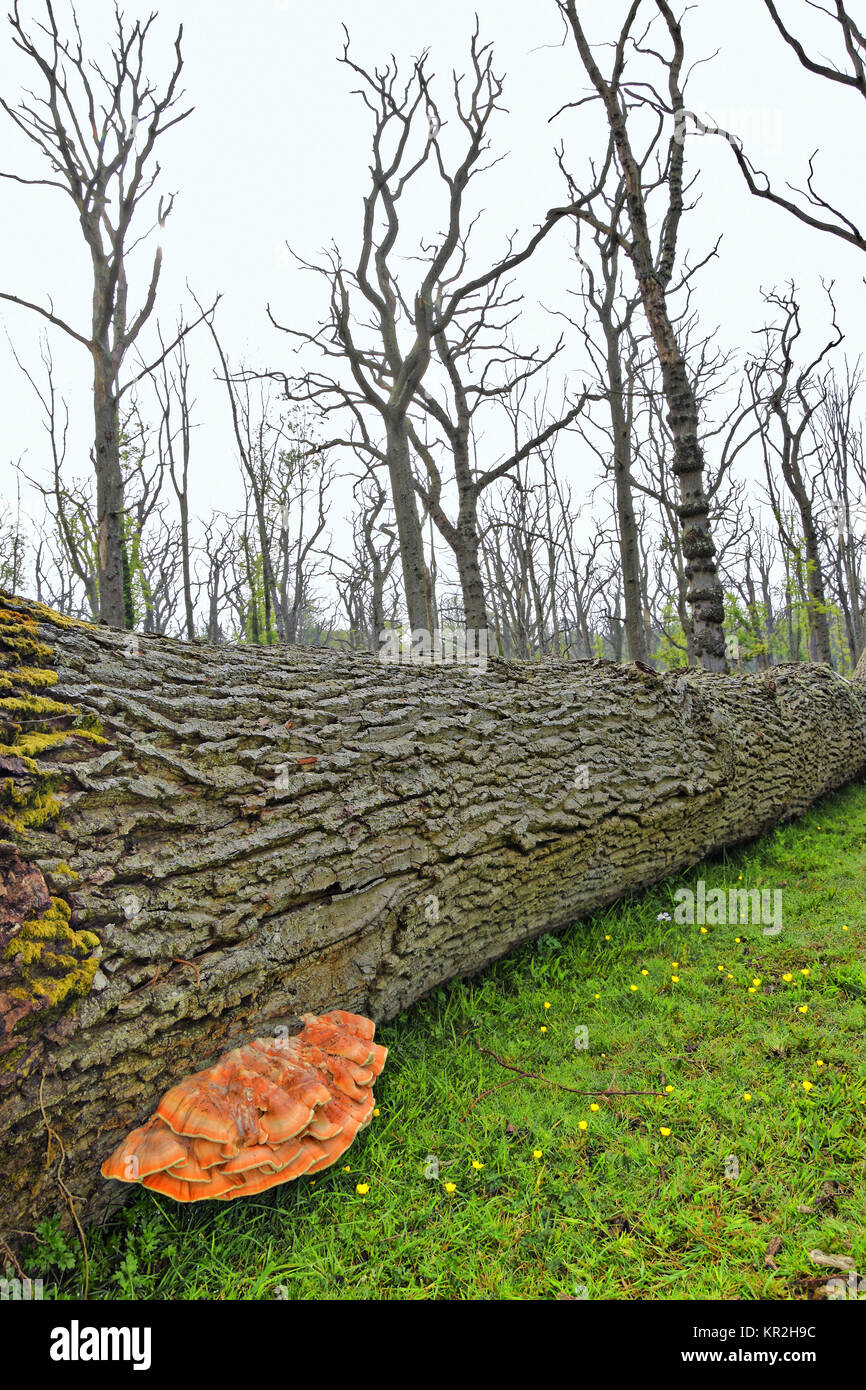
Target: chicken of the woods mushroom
<point>264,1114</point>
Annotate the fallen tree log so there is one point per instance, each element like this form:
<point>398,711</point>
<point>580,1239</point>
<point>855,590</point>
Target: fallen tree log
<point>199,844</point>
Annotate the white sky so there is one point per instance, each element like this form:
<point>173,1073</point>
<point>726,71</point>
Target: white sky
<point>277,149</point>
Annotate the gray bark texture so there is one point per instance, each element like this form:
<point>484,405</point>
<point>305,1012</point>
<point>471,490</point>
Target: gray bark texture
<point>200,843</point>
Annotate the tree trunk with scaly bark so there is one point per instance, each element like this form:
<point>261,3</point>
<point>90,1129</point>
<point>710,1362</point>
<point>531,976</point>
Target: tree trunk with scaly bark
<point>201,843</point>
<point>653,273</point>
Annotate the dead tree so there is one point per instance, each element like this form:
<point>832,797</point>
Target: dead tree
<point>13,543</point>
<point>97,128</point>
<point>384,374</point>
<point>749,572</point>
<point>364,579</point>
<point>542,585</point>
<point>808,205</point>
<point>786,399</point>
<point>841,462</point>
<point>171,387</point>
<point>216,548</point>
<point>613,363</point>
<point>481,368</point>
<point>302,485</point>
<point>653,269</point>
<point>160,570</point>
<point>67,501</point>
<point>278,469</point>
<point>728,428</point>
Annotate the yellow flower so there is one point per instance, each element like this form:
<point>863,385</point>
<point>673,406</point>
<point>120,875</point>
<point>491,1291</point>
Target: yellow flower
<point>377,1111</point>
<point>803,1009</point>
<point>807,1086</point>
<point>644,972</point>
<point>596,996</point>
<point>805,971</point>
<point>362,1188</point>
<point>675,964</point>
<point>729,977</point>
<point>756,982</point>
<point>738,940</point>
<point>787,978</point>
<point>607,938</point>
<point>675,979</point>
<point>819,1063</point>
<point>703,931</point>
<point>450,1187</point>
<point>476,1165</point>
<point>536,1153</point>
<point>664,1131</point>
<point>632,987</point>
<point>542,1029</point>
<point>581,1124</point>
<point>347,1169</point>
<point>720,967</point>
<point>594,1106</point>
<point>740,878</point>
<point>547,1003</point>
<point>747,1095</point>
<point>844,928</point>
<point>669,1090</point>
<point>751,989</point>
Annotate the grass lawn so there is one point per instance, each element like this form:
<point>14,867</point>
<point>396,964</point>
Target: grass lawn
<point>483,1183</point>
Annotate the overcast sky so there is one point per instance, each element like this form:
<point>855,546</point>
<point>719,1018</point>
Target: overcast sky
<point>277,150</point>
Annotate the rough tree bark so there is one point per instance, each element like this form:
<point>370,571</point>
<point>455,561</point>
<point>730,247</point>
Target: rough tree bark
<point>653,273</point>
<point>203,842</point>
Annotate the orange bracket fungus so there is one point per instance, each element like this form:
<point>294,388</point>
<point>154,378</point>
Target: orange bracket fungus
<point>264,1114</point>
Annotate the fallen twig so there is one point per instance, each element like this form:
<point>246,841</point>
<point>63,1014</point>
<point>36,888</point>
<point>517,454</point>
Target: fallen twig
<point>70,1201</point>
<point>533,1076</point>
<point>488,1092</point>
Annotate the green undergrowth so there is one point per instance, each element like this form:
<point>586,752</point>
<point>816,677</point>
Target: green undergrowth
<point>487,1184</point>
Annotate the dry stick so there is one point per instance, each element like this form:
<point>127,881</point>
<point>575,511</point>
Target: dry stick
<point>176,960</point>
<point>147,983</point>
<point>488,1092</point>
<point>179,960</point>
<point>531,1075</point>
<point>11,1257</point>
<point>52,1134</point>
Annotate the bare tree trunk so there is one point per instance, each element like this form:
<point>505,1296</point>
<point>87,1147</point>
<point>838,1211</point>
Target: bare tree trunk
<point>109,493</point>
<point>202,843</point>
<point>815,585</point>
<point>629,548</point>
<point>705,596</point>
<point>466,554</point>
<point>416,580</point>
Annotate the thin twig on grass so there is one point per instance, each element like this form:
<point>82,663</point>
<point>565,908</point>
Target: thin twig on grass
<point>70,1201</point>
<point>533,1076</point>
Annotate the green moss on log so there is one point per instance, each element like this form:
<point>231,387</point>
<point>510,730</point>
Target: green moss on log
<point>54,961</point>
<point>46,965</point>
<point>28,797</point>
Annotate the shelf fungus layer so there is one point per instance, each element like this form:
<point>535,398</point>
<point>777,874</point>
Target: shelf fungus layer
<point>263,1115</point>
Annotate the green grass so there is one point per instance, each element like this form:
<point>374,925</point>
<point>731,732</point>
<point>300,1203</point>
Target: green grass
<point>617,1208</point>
